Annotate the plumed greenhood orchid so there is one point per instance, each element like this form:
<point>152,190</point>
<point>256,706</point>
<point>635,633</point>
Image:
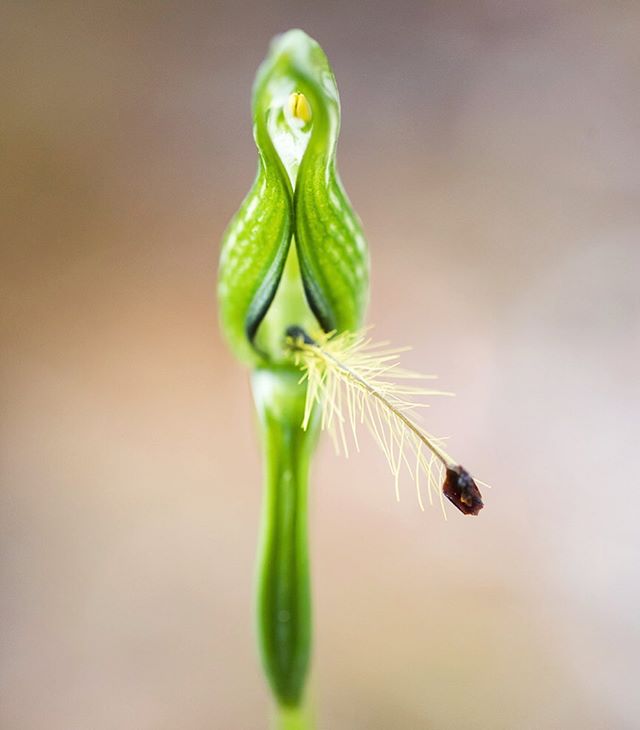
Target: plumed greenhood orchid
<point>294,254</point>
<point>293,288</point>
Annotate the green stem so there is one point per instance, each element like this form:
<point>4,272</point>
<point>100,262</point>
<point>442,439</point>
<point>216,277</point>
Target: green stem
<point>283,586</point>
<point>292,718</point>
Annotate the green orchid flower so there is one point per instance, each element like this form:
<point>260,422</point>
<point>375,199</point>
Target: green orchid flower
<point>293,256</point>
<point>293,288</point>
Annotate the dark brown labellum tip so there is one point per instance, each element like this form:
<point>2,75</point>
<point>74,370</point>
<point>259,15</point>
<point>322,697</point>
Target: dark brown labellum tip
<point>460,489</point>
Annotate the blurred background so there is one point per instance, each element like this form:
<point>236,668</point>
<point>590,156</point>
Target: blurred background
<point>492,150</point>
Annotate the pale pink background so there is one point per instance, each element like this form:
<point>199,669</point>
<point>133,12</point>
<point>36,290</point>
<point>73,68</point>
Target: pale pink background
<point>492,150</point>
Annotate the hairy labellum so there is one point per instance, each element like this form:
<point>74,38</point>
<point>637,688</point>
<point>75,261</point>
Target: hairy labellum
<point>355,381</point>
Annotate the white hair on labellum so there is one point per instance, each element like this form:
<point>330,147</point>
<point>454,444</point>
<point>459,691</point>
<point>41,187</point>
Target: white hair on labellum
<point>356,381</point>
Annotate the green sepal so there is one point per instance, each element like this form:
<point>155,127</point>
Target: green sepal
<point>308,202</point>
<point>332,251</point>
<point>256,243</point>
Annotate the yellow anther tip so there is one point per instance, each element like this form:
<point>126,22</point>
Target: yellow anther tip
<point>299,107</point>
